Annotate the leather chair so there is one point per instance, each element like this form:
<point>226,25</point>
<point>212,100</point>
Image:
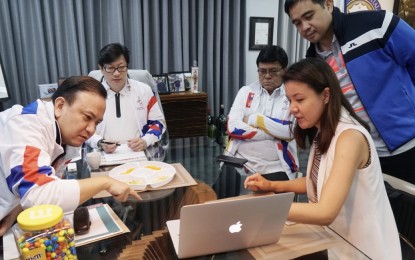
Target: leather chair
<point>158,150</point>
<point>402,199</point>
<point>140,75</point>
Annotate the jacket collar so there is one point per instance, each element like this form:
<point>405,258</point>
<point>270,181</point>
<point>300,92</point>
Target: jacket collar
<point>111,93</point>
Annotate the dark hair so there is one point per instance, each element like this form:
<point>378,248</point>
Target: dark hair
<point>72,85</point>
<point>290,4</point>
<point>111,52</point>
<point>273,54</point>
<point>318,75</point>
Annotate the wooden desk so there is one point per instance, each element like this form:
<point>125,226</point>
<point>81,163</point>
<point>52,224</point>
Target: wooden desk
<point>193,195</point>
<point>297,241</point>
<point>186,114</point>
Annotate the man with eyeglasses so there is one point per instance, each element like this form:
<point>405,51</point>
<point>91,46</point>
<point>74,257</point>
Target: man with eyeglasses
<point>259,120</point>
<point>133,115</point>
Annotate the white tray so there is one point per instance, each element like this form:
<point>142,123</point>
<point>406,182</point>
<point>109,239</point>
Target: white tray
<point>140,174</point>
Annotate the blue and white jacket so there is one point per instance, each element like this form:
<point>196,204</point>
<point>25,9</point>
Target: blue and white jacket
<point>32,160</point>
<point>149,117</point>
<point>260,127</point>
<point>379,51</point>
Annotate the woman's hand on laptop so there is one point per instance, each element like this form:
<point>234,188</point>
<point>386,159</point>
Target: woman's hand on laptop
<point>257,183</point>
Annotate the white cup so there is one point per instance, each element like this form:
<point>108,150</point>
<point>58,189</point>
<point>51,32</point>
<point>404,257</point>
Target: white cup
<point>94,160</point>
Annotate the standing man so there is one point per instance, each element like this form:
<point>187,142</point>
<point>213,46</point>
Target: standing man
<point>373,56</point>
<point>36,143</point>
<point>133,115</point>
<point>259,121</point>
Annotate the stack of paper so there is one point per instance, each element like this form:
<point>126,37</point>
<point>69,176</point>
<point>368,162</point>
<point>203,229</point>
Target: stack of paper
<point>123,154</point>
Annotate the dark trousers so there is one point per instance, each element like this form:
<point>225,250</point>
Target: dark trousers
<point>401,166</point>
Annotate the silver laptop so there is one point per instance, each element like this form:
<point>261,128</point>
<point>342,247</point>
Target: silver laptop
<point>228,225</point>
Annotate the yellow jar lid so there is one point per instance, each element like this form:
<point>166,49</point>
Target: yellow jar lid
<point>40,217</point>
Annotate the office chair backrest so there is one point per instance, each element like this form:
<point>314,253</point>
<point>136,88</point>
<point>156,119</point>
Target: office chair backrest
<point>140,75</point>
<point>402,199</point>
<point>400,184</point>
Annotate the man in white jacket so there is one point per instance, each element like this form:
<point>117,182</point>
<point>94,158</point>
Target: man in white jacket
<point>259,122</point>
<point>38,140</point>
<point>133,115</point>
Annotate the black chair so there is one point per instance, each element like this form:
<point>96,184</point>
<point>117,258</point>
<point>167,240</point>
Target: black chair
<point>402,199</point>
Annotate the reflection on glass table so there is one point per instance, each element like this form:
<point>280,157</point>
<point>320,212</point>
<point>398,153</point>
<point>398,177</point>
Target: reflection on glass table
<point>157,151</point>
<point>196,154</point>
<point>146,219</point>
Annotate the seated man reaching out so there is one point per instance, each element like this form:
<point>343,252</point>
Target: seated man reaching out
<point>38,141</point>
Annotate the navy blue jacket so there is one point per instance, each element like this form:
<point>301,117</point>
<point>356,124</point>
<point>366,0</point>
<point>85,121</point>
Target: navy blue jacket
<point>379,51</point>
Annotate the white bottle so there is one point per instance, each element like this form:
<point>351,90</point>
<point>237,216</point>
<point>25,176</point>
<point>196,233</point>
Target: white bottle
<point>195,78</point>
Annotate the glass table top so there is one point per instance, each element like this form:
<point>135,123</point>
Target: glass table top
<point>198,157</point>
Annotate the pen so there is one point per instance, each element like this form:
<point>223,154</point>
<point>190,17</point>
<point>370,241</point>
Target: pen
<point>249,169</point>
<point>105,142</point>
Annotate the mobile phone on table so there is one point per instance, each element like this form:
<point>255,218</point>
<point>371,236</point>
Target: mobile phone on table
<point>234,161</point>
<point>81,220</point>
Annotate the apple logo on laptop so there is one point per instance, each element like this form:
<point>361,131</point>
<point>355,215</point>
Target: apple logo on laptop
<point>235,228</point>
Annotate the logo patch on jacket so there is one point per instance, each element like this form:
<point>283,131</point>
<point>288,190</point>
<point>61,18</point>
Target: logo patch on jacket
<point>365,5</point>
<point>249,99</point>
<point>139,104</point>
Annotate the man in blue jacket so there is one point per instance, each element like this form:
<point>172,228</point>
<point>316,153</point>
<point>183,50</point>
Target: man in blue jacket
<point>373,55</point>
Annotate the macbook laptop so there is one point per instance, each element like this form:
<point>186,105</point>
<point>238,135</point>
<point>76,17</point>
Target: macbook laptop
<point>229,224</point>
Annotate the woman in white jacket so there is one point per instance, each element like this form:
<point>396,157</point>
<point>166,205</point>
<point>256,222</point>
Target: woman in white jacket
<point>344,180</point>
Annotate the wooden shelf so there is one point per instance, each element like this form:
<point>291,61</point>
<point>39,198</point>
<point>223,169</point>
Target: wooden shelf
<point>186,114</point>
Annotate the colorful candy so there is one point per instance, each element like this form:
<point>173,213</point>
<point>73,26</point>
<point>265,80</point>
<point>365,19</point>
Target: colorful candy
<point>52,239</point>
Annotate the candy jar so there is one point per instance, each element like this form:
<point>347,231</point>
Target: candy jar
<point>42,232</point>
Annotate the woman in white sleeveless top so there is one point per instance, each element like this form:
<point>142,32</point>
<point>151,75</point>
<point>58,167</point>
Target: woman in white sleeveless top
<point>344,181</point>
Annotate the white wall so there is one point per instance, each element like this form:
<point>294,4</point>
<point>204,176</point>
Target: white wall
<point>258,8</point>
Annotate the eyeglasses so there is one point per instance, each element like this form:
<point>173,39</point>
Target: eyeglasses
<point>272,72</point>
<point>113,69</point>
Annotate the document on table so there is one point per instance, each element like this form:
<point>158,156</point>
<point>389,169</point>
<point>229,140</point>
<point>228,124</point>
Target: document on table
<point>104,224</point>
<point>123,154</point>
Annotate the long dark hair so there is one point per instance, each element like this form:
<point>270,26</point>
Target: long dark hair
<point>318,75</point>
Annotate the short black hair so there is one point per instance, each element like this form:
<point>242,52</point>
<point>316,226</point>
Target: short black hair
<point>109,53</point>
<point>72,85</point>
<point>290,4</point>
<point>273,53</point>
